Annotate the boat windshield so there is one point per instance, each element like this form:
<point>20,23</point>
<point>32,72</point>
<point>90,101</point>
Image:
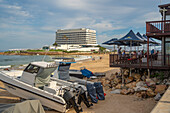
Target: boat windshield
<point>32,69</point>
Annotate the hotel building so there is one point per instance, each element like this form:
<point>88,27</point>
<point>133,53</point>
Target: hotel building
<point>80,36</point>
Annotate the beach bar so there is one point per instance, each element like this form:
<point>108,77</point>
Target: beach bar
<point>159,30</point>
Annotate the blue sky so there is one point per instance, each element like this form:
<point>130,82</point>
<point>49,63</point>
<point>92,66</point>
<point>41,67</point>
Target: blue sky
<point>33,23</point>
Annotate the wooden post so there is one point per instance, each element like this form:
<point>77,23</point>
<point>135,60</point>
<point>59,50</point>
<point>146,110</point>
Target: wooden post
<point>148,56</point>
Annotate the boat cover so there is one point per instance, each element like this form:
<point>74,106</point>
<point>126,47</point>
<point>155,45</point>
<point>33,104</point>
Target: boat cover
<point>43,76</point>
<point>99,90</point>
<point>92,92</point>
<point>29,106</point>
<point>86,73</point>
<point>63,71</point>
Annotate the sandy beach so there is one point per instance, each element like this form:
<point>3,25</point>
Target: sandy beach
<point>114,103</point>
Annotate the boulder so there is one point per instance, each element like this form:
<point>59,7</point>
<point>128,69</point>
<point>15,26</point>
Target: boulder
<point>141,94</point>
<point>150,83</point>
<point>136,76</point>
<point>124,92</point>
<point>140,83</point>
<point>160,89</point>
<point>157,97</point>
<point>150,93</point>
<point>129,79</point>
<point>113,88</point>
<point>119,86</point>
<point>131,85</point>
<point>132,91</point>
<point>117,80</point>
<point>126,72</point>
<point>116,91</point>
<point>139,88</point>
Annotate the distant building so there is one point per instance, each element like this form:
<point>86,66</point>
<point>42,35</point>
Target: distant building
<point>76,36</point>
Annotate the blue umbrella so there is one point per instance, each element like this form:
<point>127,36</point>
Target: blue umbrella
<point>131,38</point>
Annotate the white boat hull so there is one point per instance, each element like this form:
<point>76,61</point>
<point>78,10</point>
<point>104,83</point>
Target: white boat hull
<point>26,91</point>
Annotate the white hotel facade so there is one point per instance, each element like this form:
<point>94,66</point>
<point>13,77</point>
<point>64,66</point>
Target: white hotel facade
<point>76,39</point>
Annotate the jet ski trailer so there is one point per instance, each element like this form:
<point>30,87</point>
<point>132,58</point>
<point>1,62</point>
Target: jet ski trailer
<point>35,83</point>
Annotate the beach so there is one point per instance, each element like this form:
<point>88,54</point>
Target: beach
<point>113,103</point>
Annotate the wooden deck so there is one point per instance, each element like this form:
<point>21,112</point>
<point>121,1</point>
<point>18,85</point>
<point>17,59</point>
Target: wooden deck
<point>127,62</point>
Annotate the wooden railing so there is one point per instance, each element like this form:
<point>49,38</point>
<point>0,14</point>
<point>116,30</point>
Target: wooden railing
<point>155,61</point>
<point>158,27</point>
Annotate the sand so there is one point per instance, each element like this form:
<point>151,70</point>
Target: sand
<point>114,103</point>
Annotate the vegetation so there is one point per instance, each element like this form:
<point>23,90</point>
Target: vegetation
<point>101,49</point>
<point>159,75</point>
<point>55,44</point>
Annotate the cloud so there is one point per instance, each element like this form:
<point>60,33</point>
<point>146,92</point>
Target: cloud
<point>106,26</point>
<point>15,10</point>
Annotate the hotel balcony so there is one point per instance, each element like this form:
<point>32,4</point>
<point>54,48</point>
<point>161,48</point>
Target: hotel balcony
<point>157,29</point>
<point>155,62</point>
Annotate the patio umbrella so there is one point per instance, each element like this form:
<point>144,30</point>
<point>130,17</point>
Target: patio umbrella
<point>131,38</point>
<point>145,40</point>
<point>113,42</point>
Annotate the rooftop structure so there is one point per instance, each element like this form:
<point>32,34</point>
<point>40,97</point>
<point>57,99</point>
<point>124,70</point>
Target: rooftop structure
<point>159,60</point>
<point>76,36</point>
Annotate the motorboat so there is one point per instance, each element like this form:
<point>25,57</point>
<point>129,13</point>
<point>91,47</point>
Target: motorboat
<point>35,83</point>
<point>94,89</point>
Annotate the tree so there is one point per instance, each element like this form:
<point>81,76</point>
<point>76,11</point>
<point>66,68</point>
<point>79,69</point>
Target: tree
<point>55,44</point>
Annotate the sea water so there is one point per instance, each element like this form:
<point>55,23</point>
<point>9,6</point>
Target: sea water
<point>16,60</point>
<point>20,60</point>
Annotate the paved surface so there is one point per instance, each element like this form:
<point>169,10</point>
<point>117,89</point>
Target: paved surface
<point>163,105</point>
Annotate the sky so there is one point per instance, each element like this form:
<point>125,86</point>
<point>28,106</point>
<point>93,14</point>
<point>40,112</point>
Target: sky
<point>33,23</point>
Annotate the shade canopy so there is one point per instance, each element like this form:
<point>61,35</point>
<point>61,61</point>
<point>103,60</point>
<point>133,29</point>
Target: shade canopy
<point>139,35</point>
<point>150,40</point>
<point>131,37</point>
<point>113,42</point>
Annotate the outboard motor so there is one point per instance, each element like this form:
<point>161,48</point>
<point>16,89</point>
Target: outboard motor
<point>83,97</point>
<point>70,100</point>
<point>99,90</point>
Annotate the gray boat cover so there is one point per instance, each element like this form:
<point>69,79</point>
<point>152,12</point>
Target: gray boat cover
<point>63,71</point>
<point>29,106</point>
<point>43,77</point>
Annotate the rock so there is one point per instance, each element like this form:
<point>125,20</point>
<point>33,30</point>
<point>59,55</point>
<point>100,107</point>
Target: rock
<point>136,76</point>
<point>112,77</point>
<point>129,79</point>
<point>126,72</point>
<point>160,89</point>
<point>106,78</point>
<point>141,84</point>
<point>143,78</point>
<point>150,83</point>
<point>131,85</point>
<point>150,93</point>
<point>124,92</point>
<point>119,86</point>
<point>116,91</point>
<point>139,88</point>
<point>157,97</point>
<point>141,94</point>
<point>131,91</point>
<point>117,80</point>
<point>113,88</point>
<point>155,79</point>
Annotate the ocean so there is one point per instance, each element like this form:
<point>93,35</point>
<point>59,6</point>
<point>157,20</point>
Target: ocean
<point>14,60</point>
